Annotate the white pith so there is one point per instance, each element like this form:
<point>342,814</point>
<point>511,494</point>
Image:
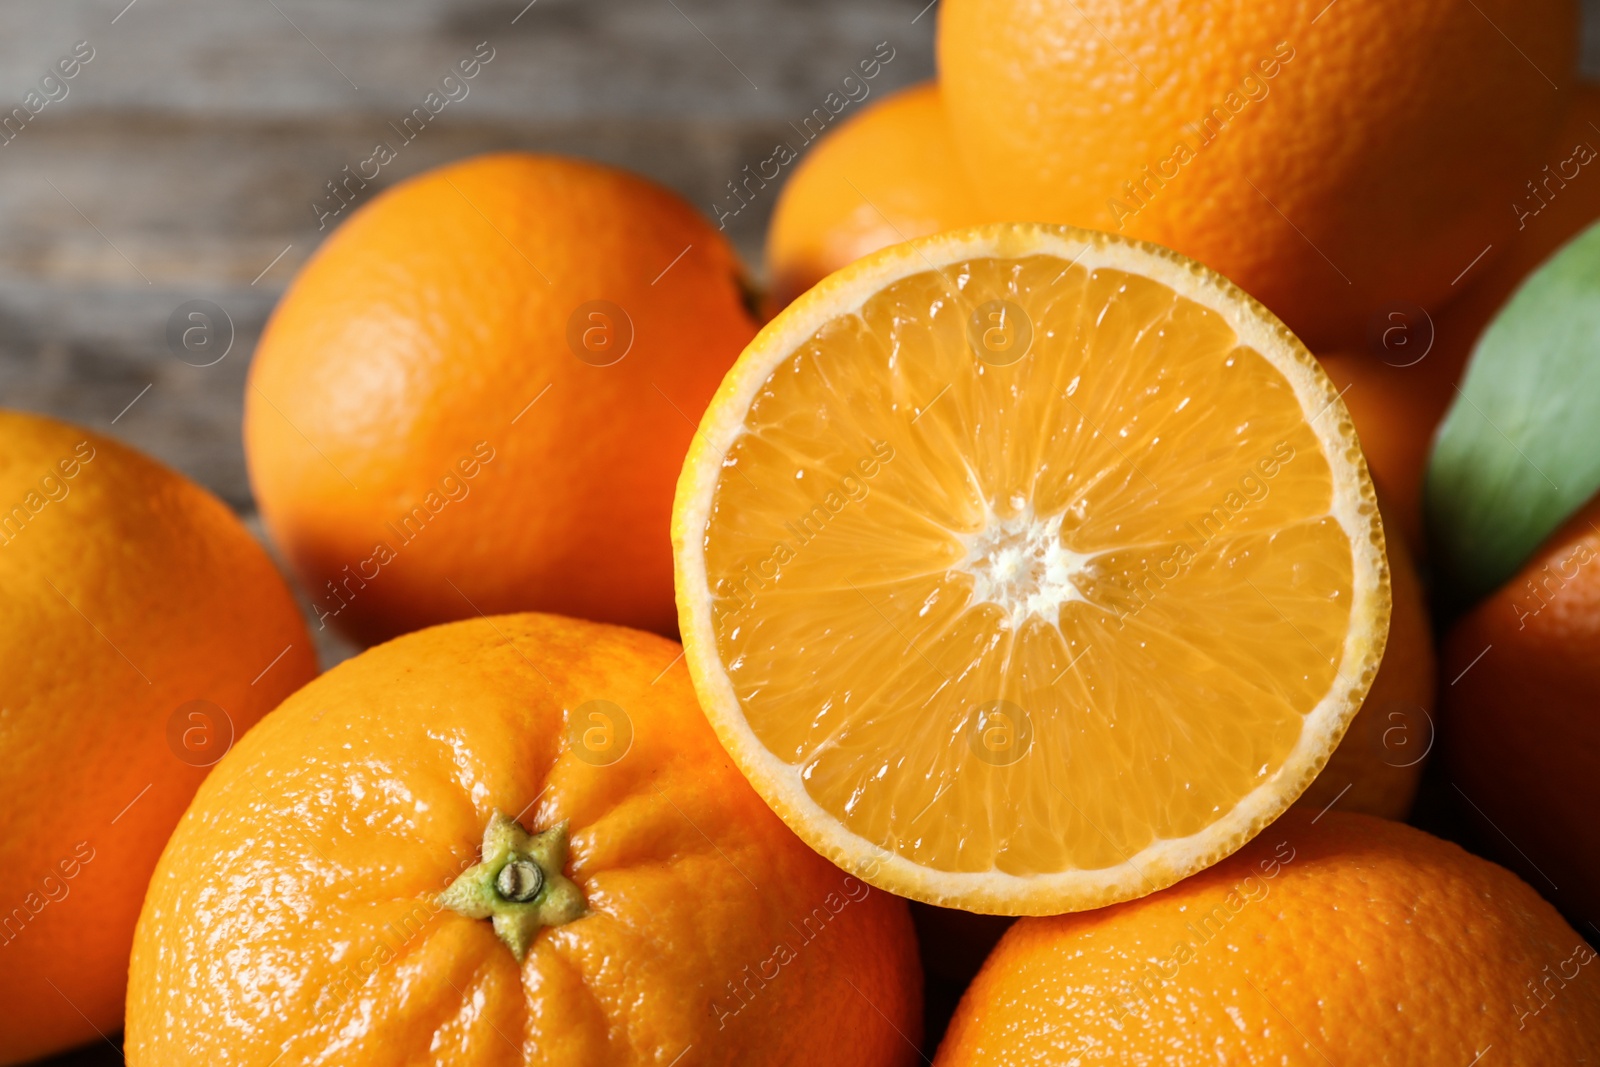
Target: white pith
<point>1019,564</point>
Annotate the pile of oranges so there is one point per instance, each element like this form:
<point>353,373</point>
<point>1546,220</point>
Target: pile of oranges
<point>1045,540</point>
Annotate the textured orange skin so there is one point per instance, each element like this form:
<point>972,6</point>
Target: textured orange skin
<point>1373,944</point>
<point>887,175</point>
<point>423,327</point>
<point>171,581</point>
<point>1522,724</point>
<point>1391,142</point>
<point>365,794</point>
<point>1383,753</point>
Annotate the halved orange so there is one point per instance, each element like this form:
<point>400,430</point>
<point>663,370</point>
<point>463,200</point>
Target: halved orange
<point>1025,569</point>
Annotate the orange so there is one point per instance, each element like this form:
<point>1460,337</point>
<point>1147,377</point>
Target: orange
<point>1397,405</point>
<point>1272,152</point>
<point>633,900</point>
<point>1556,200</point>
<point>1025,569</point>
<point>142,629</point>
<point>1375,770</point>
<point>1348,940</point>
<point>1522,718</point>
<point>476,396</point>
<point>1378,765</point>
<point>889,174</point>
<point>1400,386</point>
<point>1553,205</point>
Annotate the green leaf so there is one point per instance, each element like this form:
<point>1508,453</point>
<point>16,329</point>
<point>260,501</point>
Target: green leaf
<point>1519,451</point>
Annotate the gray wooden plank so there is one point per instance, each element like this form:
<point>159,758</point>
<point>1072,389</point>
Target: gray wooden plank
<point>187,153</point>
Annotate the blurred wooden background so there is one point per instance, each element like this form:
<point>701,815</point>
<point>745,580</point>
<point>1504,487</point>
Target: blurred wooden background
<point>183,160</point>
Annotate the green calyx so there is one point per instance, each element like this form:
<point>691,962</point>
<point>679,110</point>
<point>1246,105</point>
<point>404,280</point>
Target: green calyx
<point>518,885</point>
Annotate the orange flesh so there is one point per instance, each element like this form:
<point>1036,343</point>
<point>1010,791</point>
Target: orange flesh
<point>976,606</point>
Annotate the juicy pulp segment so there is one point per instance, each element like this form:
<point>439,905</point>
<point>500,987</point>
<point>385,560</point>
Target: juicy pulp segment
<point>975,605</point>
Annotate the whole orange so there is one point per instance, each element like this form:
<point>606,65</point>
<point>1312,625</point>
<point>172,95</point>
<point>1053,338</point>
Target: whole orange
<point>329,886</point>
<point>1305,149</point>
<point>1346,940</point>
<point>1522,716</point>
<point>477,395</point>
<point>142,629</point>
<point>1378,765</point>
<point>887,175</point>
